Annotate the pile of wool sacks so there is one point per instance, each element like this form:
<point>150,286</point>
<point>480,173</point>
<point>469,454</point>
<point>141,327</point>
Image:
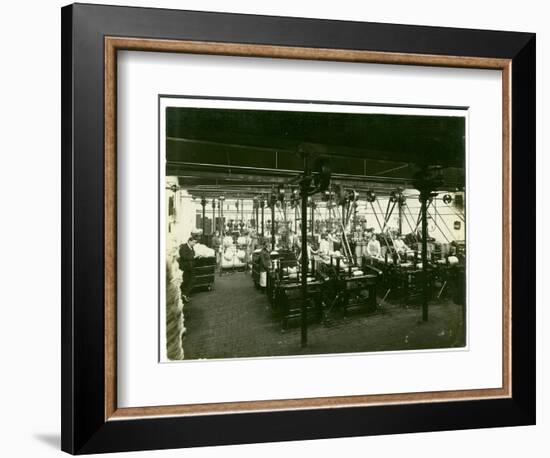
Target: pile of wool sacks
<point>202,251</point>
<point>175,327</point>
<point>232,257</point>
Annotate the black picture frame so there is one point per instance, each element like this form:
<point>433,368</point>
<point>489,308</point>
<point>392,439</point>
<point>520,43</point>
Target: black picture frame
<point>84,428</point>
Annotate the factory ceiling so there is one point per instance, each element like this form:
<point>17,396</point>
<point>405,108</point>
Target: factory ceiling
<point>217,147</point>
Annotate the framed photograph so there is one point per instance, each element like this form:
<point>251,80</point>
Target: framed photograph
<point>282,228</point>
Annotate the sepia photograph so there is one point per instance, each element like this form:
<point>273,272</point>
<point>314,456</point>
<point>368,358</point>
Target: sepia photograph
<point>292,228</point>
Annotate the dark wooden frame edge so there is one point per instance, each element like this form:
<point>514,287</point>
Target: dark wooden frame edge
<point>84,429</point>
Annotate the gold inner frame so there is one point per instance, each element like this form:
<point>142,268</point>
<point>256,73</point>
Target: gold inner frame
<point>114,44</point>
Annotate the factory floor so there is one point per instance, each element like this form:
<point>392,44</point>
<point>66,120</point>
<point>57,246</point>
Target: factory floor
<point>234,320</point>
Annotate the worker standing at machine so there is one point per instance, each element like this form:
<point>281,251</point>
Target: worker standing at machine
<point>254,242</point>
<point>324,245</point>
<point>338,240</point>
<point>216,246</point>
<point>400,245</point>
<point>186,264</point>
<point>265,265</point>
<point>291,240</point>
<point>332,241</point>
<point>310,251</point>
<point>247,248</point>
<point>365,243</point>
<point>374,249</point>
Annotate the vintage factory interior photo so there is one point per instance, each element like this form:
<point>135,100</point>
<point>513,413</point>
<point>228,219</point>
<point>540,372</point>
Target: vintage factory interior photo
<point>313,231</point>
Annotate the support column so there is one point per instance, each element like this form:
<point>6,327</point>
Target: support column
<point>222,222</point>
<point>400,208</point>
<point>203,205</point>
<point>256,206</point>
<point>312,207</point>
<point>355,215</point>
<point>424,215</point>
<point>427,180</point>
<point>344,209</point>
<point>262,205</point>
<point>220,203</point>
<point>303,312</point>
<point>272,225</point>
<point>213,216</point>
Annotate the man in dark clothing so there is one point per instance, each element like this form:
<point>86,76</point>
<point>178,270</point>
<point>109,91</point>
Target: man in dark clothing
<point>187,263</point>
